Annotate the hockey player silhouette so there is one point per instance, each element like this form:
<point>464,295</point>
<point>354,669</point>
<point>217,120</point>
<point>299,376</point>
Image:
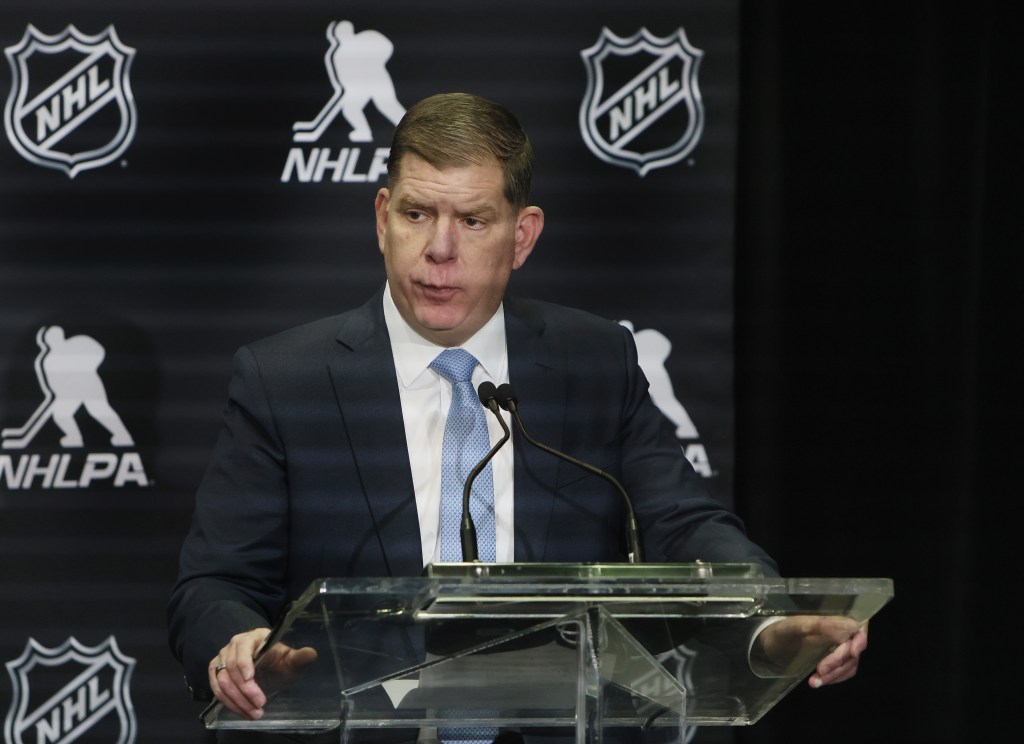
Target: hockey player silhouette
<point>653,350</point>
<point>356,65</point>
<point>68,374</point>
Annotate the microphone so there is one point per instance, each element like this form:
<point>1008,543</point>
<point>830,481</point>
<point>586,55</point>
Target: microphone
<point>506,396</point>
<point>467,531</point>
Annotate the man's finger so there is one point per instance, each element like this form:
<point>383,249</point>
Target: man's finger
<point>249,645</point>
<point>235,699</point>
<point>240,688</point>
<point>842,663</point>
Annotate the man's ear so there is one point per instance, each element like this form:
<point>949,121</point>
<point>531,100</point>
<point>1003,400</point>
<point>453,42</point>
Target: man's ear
<point>380,208</point>
<point>529,226</point>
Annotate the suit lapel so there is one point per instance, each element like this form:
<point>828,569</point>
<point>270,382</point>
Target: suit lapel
<point>372,411</point>
<point>537,372</point>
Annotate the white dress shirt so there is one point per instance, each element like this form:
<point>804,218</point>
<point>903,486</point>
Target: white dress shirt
<point>426,397</point>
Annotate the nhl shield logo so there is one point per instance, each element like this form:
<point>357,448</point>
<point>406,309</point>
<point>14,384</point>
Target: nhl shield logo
<point>63,693</point>
<point>70,105</point>
<point>642,108</point>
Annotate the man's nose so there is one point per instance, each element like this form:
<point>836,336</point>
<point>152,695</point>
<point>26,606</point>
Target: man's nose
<point>444,241</point>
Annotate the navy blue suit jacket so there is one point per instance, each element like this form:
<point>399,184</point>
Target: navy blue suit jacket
<point>310,477</point>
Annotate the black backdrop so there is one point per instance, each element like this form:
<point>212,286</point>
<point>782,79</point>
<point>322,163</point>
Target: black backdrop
<point>879,317</point>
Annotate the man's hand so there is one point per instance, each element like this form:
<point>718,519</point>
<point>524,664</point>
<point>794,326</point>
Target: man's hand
<point>842,663</point>
<point>791,642</point>
<point>232,675</point>
<point>233,671</point>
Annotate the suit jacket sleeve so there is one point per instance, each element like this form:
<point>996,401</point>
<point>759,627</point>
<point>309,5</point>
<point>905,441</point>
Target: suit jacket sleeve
<point>231,576</point>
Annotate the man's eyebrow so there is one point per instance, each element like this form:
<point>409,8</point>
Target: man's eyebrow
<point>407,202</point>
<point>481,210</point>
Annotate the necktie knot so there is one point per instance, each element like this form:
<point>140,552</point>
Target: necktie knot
<point>454,365</point>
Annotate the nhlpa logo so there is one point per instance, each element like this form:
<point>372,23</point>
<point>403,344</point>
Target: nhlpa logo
<point>70,106</point>
<point>642,108</point>
<point>653,350</point>
<point>60,694</point>
<point>67,369</point>
<point>357,68</point>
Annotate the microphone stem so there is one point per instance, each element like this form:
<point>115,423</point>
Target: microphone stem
<point>468,529</point>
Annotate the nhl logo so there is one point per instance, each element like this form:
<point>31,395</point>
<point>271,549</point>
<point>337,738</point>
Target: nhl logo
<point>70,105</point>
<point>642,108</point>
<point>63,693</point>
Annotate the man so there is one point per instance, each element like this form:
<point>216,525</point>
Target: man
<point>313,477</point>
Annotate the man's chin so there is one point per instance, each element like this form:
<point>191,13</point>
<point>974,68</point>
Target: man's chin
<point>445,330</point>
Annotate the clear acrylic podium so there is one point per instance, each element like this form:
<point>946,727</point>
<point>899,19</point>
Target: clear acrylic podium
<point>579,647</point>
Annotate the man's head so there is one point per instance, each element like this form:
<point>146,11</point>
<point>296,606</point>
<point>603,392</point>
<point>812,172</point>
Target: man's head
<point>453,222</point>
<point>452,130</point>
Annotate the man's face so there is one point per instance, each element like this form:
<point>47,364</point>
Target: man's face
<point>450,240</point>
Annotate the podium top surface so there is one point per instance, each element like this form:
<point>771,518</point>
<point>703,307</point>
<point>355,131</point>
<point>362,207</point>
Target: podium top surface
<point>662,589</point>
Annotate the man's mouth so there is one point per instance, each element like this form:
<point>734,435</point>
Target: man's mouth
<point>438,292</point>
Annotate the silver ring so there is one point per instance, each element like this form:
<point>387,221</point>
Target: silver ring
<point>218,669</point>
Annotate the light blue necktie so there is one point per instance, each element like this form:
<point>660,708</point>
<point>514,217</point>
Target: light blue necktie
<point>466,442</point>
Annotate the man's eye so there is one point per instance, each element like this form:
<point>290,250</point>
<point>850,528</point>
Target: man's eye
<point>415,215</point>
<point>473,222</point>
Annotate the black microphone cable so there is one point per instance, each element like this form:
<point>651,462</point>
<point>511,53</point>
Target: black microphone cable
<point>506,397</point>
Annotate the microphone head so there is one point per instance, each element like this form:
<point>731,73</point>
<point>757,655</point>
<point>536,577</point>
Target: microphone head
<point>487,392</point>
<point>506,395</point>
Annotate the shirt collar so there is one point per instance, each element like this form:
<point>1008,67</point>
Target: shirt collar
<point>413,353</point>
